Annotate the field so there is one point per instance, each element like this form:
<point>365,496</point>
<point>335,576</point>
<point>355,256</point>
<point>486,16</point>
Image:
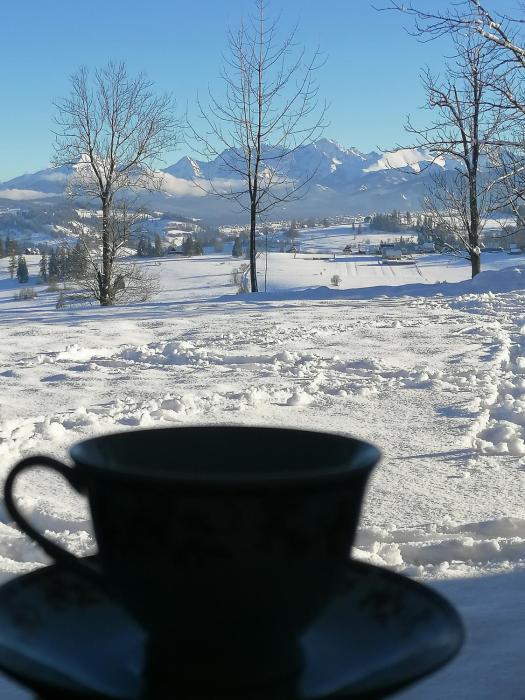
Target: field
<point>416,358</point>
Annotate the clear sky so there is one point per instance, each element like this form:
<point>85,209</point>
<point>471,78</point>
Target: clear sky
<point>370,77</point>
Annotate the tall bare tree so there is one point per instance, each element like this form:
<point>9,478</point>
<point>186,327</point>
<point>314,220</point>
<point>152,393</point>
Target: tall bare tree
<point>269,111</point>
<point>505,35</point>
<point>112,128</point>
<point>465,125</point>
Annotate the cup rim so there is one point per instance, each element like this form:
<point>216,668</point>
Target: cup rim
<point>357,456</point>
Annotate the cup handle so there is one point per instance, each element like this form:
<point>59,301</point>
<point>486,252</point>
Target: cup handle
<point>60,555</point>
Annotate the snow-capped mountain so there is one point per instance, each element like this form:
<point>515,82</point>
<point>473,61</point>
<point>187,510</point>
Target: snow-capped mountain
<point>341,180</point>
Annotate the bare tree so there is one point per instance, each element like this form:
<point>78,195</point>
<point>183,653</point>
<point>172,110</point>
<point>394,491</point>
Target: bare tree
<point>112,128</point>
<point>129,281</point>
<point>447,203</point>
<point>466,122</point>
<point>268,112</point>
<point>503,32</point>
<point>465,16</point>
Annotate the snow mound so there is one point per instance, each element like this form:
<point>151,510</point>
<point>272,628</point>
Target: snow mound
<point>446,549</point>
<point>489,282</point>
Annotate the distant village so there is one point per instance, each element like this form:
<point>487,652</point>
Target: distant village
<point>396,235</point>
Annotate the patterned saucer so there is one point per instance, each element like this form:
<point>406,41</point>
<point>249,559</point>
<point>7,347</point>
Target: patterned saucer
<point>63,637</point>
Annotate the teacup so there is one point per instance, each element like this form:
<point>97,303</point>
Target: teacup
<point>223,542</point>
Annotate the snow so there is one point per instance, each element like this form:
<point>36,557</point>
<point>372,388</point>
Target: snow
<point>404,158</point>
<point>417,358</point>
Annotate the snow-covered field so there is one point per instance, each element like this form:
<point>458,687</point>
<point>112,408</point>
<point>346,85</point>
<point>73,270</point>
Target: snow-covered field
<point>416,358</point>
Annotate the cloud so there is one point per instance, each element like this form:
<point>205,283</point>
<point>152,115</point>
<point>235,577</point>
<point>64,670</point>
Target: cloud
<point>199,187</point>
<point>20,195</point>
<point>178,186</point>
<point>56,177</point>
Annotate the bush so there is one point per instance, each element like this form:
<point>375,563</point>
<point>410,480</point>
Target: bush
<point>240,278</point>
<point>336,280</point>
<point>244,286</point>
<point>25,294</point>
<point>71,300</point>
<point>61,301</point>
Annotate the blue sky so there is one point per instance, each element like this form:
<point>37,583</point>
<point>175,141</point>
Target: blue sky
<point>370,77</point>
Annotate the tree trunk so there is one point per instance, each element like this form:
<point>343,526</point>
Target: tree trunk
<point>475,257</point>
<point>475,262</point>
<point>105,276</point>
<point>253,250</point>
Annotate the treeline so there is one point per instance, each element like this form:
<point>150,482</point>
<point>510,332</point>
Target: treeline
<point>146,248</point>
<point>389,222</point>
<point>395,221</point>
<point>9,246</point>
<point>64,264</point>
<point>56,265</point>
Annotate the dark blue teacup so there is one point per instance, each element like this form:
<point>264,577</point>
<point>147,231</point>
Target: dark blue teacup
<point>224,542</point>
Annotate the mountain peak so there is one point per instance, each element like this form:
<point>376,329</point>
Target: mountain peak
<point>343,180</point>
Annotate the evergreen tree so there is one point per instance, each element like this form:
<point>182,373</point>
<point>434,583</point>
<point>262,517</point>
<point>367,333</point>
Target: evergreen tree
<point>10,246</point>
<point>43,268</point>
<point>63,266</point>
<point>188,246</point>
<point>158,246</point>
<point>197,248</point>
<point>83,258</point>
<point>53,269</point>
<point>12,265</point>
<point>2,248</point>
<point>142,247</point>
<point>237,248</point>
<point>77,262</point>
<point>22,272</point>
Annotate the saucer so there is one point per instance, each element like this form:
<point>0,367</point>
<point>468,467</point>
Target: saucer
<point>63,637</point>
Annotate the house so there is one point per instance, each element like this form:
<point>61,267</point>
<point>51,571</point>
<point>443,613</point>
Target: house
<point>391,252</point>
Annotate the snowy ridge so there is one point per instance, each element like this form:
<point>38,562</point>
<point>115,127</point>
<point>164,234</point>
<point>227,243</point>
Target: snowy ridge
<point>342,179</point>
<point>404,158</point>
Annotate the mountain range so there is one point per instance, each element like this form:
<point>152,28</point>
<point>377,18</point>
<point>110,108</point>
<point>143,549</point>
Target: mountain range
<point>341,181</point>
